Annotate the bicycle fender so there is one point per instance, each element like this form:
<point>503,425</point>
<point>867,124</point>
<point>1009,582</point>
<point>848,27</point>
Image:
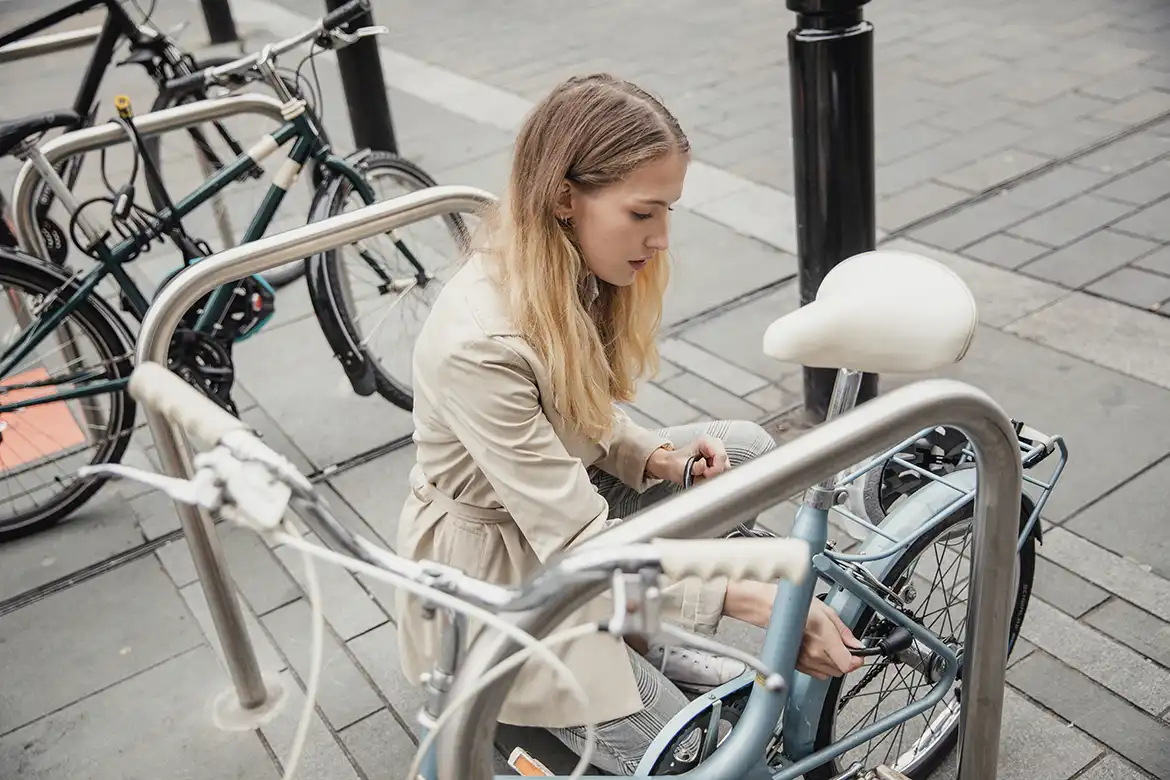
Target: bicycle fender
<point>345,347</point>
<point>57,277</point>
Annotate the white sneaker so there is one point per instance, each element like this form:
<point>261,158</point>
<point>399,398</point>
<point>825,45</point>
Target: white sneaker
<point>694,670</point>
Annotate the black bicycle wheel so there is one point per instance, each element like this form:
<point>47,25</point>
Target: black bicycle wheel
<point>209,138</point>
<point>379,277</point>
<point>919,760</point>
<point>55,438</point>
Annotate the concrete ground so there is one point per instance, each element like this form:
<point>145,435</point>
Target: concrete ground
<point>1025,146</point>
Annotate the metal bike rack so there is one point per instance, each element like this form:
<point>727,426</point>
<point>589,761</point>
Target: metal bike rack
<point>465,749</point>
<point>48,44</point>
<point>108,134</point>
<point>154,338</point>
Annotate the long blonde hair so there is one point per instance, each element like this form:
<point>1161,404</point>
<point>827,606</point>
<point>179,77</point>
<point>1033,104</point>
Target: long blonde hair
<point>592,131</point>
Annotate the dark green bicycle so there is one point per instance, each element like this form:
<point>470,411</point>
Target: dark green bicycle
<point>66,354</point>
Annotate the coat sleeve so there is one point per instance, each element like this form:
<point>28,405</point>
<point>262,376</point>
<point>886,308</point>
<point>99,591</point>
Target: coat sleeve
<point>630,446</point>
<point>490,402</point>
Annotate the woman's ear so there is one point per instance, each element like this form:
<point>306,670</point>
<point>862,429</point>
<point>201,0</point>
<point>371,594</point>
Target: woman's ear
<point>563,207</point>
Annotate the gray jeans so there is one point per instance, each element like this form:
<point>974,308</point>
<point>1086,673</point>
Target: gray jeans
<point>621,743</point>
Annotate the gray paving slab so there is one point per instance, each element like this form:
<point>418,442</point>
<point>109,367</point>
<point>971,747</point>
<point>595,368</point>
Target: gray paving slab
<point>1006,251</point>
<point>1120,576</point>
<point>1140,187</point>
<point>1095,710</point>
<point>1071,221</point>
<point>1065,590</point>
<point>345,695</point>
<point>898,210</point>
<point>377,652</point>
<point>711,398</point>
<point>376,491</point>
<point>336,424</point>
<point>1134,627</point>
<point>1033,745</point>
<point>1103,332</point>
<point>322,755</point>
<point>270,660</point>
<point>131,732</point>
<point>101,529</point>
<point>737,335</point>
<point>129,619</point>
<point>379,745</point>
<point>1130,522</point>
<point>348,609</point>
<point>1112,767</point>
<point>1150,222</point>
<point>665,406</point>
<point>1090,258</point>
<point>1106,662</point>
<point>1159,261</point>
<point>710,367</point>
<point>1135,287</point>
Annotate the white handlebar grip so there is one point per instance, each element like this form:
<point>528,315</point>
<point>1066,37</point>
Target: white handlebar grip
<point>744,558</point>
<point>182,404</point>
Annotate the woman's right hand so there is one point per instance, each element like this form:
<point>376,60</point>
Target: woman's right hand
<point>824,648</point>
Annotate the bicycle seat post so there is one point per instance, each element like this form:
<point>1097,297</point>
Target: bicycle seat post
<point>844,397</point>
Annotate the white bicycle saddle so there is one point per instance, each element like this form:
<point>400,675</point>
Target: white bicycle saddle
<point>885,312</point>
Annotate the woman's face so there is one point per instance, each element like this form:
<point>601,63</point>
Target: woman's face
<point>620,227</point>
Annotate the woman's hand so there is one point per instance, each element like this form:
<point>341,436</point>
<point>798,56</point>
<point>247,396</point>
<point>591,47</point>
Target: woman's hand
<point>671,464</point>
<point>824,649</point>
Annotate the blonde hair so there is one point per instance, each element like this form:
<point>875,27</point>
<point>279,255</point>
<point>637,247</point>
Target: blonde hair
<point>592,131</point>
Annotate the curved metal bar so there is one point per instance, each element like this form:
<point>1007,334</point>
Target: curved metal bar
<point>154,338</point>
<point>465,749</point>
<point>48,44</point>
<point>109,134</point>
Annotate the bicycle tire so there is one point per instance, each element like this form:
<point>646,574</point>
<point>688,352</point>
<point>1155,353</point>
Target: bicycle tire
<point>280,276</point>
<point>936,754</point>
<point>393,390</point>
<point>93,317</point>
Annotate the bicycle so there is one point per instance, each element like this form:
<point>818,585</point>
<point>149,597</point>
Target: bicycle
<point>163,60</point>
<point>46,299</point>
<point>787,721</point>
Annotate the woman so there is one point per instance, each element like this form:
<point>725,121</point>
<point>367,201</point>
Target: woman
<point>522,451</point>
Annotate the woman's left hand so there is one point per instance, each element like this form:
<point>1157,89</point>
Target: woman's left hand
<point>671,464</point>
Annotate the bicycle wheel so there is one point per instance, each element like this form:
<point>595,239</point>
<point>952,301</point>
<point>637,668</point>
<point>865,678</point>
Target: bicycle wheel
<point>43,445</point>
<point>927,738</point>
<point>210,149</point>
<point>381,276</point>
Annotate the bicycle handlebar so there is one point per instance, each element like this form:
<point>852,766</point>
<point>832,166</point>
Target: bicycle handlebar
<point>330,22</point>
<point>183,405</point>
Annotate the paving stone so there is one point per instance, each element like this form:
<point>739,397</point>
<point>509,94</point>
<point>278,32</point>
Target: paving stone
<point>1125,154</point>
<point>99,530</point>
<point>1042,85</point>
<point>1054,186</point>
<point>322,755</point>
<point>380,746</point>
<point>644,420</point>
<point>1065,590</point>
<point>993,170</point>
<point>284,368</point>
<point>256,573</point>
<point>377,491</point>
<point>712,399</point>
<point>1002,296</point>
<point>737,335</point>
<point>270,661</point>
<point>1095,710</point>
<point>1137,109</point>
<point>1111,767</point>
<point>890,146</point>
<point>778,397</point>
<point>1106,662</point>
<point>131,732</point>
<point>1130,625</point>
<point>348,609</point>
<point>1068,139</point>
<point>1120,576</point>
<point>704,364</point>
<point>712,263</point>
<point>915,203</point>
<point>119,642</point>
<point>1103,332</point>
<point>1068,222</point>
<point>344,695</point>
<point>971,224</point>
<point>1005,251</point>
<point>377,652</point>
<point>1140,187</point>
<point>1069,107</point>
<point>1130,520</point>
<point>760,212</point>
<point>666,369</point>
<point>175,557</point>
<point>1158,261</point>
<point>661,405</point>
<point>1090,258</point>
<point>1134,287</point>
<point>1151,222</point>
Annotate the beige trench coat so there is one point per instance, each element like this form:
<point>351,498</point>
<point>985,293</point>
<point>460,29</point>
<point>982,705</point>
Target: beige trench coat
<point>500,485</point>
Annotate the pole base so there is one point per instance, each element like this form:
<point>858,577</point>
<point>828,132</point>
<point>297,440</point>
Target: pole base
<point>228,715</point>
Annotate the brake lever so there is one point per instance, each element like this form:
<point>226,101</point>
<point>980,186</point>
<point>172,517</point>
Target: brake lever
<point>348,39</point>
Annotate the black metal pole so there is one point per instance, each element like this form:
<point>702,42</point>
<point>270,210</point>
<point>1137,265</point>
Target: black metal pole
<point>221,27</point>
<point>365,90</point>
<point>830,60</point>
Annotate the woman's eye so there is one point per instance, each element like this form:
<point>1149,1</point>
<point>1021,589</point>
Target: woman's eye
<point>639,215</point>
